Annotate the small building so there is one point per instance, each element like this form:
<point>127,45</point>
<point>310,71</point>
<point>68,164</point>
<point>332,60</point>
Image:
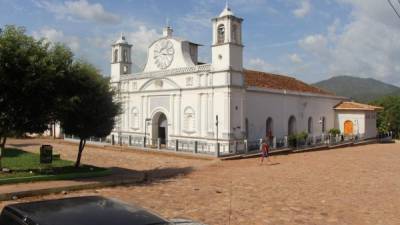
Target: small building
<point>356,119</point>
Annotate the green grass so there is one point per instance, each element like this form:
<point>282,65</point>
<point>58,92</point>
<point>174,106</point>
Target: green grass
<point>26,167</point>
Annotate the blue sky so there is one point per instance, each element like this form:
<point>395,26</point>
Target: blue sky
<point>309,39</point>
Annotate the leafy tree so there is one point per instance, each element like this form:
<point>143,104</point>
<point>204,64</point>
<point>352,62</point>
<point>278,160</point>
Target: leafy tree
<point>88,107</point>
<point>389,118</point>
<point>28,71</point>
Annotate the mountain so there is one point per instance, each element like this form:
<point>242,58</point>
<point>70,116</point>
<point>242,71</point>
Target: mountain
<point>359,89</point>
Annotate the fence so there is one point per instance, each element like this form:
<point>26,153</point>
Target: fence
<point>223,148</point>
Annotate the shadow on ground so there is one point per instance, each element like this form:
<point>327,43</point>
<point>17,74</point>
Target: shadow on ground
<point>142,176</point>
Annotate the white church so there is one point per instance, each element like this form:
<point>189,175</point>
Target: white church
<point>177,102</point>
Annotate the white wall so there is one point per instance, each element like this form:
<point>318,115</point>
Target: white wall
<point>357,117</point>
<point>280,107</point>
<point>364,122</point>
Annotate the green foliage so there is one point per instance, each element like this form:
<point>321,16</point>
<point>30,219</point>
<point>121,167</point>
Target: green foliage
<point>88,108</point>
<point>334,131</point>
<point>23,76</point>
<point>389,118</point>
<point>26,167</point>
<point>30,72</point>
<point>295,140</point>
<point>359,89</point>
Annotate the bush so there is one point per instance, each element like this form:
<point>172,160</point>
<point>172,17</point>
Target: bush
<point>334,132</point>
<point>296,140</point>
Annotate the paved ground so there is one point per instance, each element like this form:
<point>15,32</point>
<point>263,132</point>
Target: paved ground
<point>359,185</point>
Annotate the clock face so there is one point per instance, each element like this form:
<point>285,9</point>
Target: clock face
<point>164,54</point>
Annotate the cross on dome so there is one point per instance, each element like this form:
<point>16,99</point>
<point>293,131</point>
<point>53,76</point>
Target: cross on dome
<point>227,11</point>
<point>122,39</point>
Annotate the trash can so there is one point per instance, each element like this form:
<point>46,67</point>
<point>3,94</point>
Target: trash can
<point>46,154</point>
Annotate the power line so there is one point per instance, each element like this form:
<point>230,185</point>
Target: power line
<point>394,8</point>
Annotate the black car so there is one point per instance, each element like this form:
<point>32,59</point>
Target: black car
<point>89,210</point>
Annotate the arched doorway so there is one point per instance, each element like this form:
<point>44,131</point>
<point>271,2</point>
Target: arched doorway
<point>292,126</point>
<point>160,128</point>
<point>348,127</point>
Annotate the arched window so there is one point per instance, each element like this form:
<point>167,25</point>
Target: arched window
<point>247,127</point>
<point>235,33</point>
<point>269,127</point>
<point>189,119</point>
<point>134,118</point>
<point>221,34</point>
<point>116,55</point>
<point>292,125</point>
<point>310,125</point>
<point>323,124</point>
<point>125,56</point>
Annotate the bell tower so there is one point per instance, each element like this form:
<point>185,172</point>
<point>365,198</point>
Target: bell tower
<point>120,59</point>
<point>227,47</point>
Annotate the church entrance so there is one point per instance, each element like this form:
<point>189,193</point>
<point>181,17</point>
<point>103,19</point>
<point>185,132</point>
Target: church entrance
<point>348,128</point>
<point>160,128</point>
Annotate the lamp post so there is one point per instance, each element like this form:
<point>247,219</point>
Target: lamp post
<point>216,124</point>
<point>145,130</point>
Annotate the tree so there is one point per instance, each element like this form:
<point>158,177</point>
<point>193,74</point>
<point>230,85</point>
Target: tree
<point>29,70</point>
<point>88,108</point>
<point>389,118</point>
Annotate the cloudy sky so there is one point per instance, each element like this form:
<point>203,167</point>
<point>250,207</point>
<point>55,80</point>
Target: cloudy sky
<point>309,39</point>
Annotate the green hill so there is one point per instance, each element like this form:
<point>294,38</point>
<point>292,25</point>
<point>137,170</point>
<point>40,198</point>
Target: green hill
<point>359,89</point>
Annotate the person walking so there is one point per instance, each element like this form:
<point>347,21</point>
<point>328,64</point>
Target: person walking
<point>264,150</point>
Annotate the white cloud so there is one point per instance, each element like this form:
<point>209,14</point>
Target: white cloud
<point>260,64</point>
<point>367,46</point>
<point>53,35</point>
<point>80,9</point>
<point>295,58</point>
<point>304,8</point>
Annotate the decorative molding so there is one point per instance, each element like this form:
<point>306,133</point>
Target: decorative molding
<point>163,73</point>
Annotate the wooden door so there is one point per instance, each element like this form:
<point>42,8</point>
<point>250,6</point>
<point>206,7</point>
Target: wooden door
<point>348,127</point>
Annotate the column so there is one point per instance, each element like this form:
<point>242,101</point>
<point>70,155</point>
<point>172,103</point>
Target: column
<point>179,114</point>
<point>211,115</point>
<point>172,114</point>
<point>142,117</point>
<point>198,115</point>
<point>205,114</point>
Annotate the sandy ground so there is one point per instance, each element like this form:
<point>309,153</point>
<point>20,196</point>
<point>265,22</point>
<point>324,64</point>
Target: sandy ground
<point>358,185</point>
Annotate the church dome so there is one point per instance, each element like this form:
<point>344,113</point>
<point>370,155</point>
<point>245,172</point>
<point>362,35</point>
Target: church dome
<point>121,40</point>
<point>226,12</point>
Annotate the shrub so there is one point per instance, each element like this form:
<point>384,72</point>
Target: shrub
<point>295,140</point>
<point>334,132</point>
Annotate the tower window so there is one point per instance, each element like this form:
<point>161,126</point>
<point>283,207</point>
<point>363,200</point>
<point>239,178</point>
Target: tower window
<point>221,34</point>
<point>125,56</point>
<point>235,34</point>
<point>116,55</point>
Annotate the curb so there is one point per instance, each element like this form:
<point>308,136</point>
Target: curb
<point>79,187</point>
<point>295,151</point>
<point>125,148</point>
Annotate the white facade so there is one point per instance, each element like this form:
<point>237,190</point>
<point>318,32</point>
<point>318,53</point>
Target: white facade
<point>175,97</point>
<point>362,123</point>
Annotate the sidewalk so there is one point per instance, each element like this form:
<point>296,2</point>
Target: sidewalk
<point>118,177</point>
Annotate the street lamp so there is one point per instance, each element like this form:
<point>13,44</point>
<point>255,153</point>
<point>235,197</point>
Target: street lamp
<point>145,130</point>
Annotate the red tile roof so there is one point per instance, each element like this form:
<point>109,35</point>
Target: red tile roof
<point>356,106</point>
<point>280,82</point>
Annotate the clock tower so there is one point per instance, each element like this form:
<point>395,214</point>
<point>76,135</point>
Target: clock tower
<point>227,48</point>
<point>120,59</point>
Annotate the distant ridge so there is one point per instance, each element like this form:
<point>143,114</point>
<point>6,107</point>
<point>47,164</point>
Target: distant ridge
<point>360,89</point>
